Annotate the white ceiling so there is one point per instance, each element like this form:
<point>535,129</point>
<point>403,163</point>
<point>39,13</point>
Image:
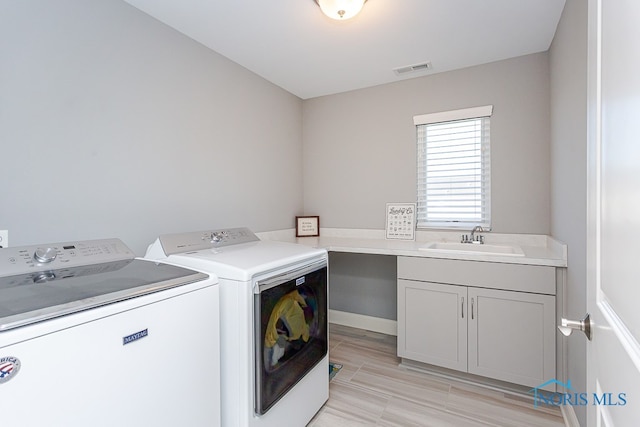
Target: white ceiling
<point>293,45</point>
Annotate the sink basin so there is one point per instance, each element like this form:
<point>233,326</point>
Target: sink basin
<point>470,248</point>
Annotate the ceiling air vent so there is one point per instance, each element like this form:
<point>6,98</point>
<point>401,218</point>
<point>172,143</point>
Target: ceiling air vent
<point>412,68</point>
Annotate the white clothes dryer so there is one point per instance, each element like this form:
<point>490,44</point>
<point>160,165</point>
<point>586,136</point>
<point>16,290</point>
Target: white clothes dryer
<point>273,311</point>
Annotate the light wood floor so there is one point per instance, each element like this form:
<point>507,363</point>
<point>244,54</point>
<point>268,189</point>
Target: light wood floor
<point>371,389</point>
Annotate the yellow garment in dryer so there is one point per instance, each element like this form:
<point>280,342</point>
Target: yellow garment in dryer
<point>289,309</point>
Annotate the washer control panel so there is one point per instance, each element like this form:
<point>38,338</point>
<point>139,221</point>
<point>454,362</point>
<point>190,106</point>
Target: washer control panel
<point>199,240</point>
<point>51,256</point>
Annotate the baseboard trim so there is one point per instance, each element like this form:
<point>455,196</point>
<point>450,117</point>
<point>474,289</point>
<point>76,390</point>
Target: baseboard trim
<point>569,415</point>
<point>361,321</point>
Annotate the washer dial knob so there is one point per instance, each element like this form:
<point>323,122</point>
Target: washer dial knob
<point>218,236</point>
<point>45,255</point>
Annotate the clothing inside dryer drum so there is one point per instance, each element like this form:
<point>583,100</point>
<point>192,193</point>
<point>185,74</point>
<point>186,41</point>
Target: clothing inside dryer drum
<point>291,322</point>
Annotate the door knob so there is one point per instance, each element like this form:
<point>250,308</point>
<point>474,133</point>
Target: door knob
<point>584,325</point>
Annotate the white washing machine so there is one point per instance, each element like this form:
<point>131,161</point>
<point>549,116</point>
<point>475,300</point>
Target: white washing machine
<point>273,331</point>
<point>91,336</point>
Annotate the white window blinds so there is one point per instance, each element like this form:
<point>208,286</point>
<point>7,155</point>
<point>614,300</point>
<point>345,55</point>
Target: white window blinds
<point>454,169</point>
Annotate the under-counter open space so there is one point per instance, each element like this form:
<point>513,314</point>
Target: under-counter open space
<point>363,286</point>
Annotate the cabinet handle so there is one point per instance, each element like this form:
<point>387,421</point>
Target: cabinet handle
<point>462,307</point>
<point>471,308</point>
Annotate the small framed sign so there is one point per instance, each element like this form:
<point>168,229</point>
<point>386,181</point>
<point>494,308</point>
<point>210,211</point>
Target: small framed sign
<point>307,226</point>
<point>401,221</point>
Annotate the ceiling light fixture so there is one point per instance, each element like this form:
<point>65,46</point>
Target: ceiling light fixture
<point>340,9</point>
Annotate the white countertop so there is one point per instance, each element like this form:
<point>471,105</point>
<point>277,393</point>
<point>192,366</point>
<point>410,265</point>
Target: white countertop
<point>538,249</point>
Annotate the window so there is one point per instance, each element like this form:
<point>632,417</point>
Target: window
<point>454,169</point>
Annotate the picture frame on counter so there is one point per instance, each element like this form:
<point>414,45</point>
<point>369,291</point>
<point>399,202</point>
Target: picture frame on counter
<point>308,226</point>
<point>401,221</point>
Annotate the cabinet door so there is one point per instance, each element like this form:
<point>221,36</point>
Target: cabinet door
<point>432,323</point>
<point>512,336</point>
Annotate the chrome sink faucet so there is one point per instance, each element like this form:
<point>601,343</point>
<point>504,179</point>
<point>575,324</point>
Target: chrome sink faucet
<point>476,229</point>
<point>474,239</point>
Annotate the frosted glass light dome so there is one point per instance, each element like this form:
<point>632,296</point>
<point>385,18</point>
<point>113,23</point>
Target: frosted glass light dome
<point>340,9</point>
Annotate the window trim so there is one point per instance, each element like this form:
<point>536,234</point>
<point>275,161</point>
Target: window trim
<point>451,116</point>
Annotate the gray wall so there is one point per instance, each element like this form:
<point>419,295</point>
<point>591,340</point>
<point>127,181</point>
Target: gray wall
<point>114,125</point>
<point>359,146</point>
<point>568,64</point>
<point>363,284</point>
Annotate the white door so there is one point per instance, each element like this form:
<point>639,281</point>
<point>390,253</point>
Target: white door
<point>613,242</point>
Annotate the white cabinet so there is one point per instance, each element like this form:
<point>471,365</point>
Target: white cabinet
<point>450,314</point>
